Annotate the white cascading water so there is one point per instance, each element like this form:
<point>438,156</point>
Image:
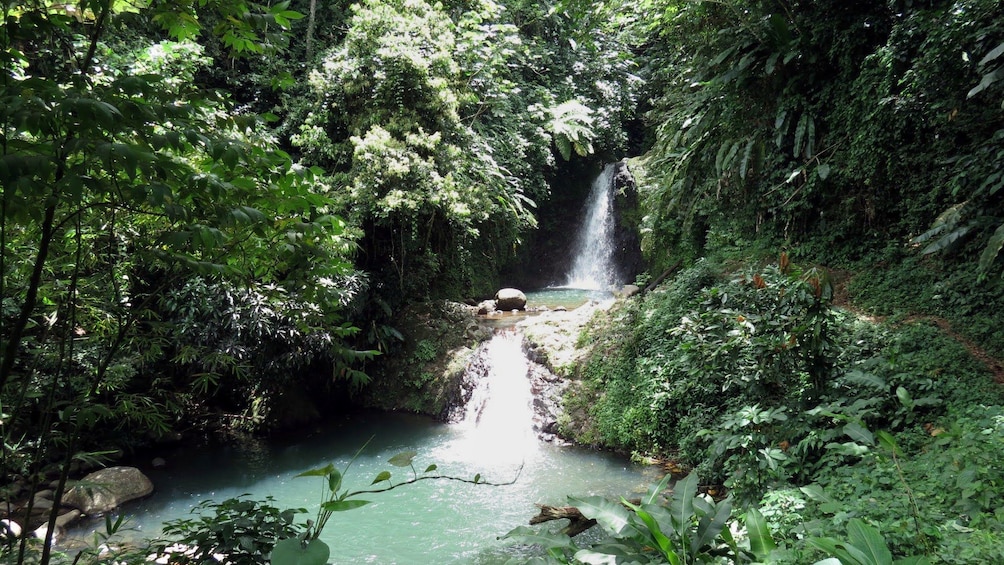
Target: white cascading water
<point>593,267</point>
<point>498,424</point>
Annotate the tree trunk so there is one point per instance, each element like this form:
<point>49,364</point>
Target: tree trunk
<point>310,28</point>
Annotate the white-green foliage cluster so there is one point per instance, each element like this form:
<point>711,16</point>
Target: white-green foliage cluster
<point>438,126</point>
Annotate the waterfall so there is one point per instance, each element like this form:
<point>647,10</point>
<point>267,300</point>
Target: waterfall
<point>498,423</point>
<point>594,267</point>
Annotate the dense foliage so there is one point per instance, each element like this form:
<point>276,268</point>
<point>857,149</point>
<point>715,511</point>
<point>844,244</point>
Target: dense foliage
<point>439,123</point>
<point>814,413</point>
<point>212,209</point>
<point>832,127</point>
<point>126,186</point>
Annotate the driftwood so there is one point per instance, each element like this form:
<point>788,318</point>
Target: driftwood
<point>577,523</point>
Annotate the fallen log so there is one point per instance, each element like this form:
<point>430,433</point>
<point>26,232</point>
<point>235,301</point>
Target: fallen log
<point>655,282</point>
<point>577,523</point>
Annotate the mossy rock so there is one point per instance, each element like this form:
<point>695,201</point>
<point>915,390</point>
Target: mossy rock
<point>425,373</point>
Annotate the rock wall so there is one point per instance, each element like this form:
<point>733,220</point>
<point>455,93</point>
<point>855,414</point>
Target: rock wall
<point>424,374</point>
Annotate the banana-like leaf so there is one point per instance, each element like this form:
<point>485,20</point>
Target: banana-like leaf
<point>857,432</point>
<point>653,494</point>
<point>711,525</point>
<point>610,515</point>
<point>682,507</point>
<point>761,540</point>
<point>993,248</point>
<point>868,539</point>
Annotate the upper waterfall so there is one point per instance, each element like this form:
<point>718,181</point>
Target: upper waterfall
<point>594,266</point>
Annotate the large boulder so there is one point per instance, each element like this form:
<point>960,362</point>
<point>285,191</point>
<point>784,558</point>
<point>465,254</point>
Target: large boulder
<point>104,490</point>
<point>510,299</point>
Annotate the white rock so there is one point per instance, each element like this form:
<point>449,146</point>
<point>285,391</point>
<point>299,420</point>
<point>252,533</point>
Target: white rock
<point>9,529</point>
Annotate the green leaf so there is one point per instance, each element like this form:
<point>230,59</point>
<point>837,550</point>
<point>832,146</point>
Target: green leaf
<point>868,539</point>
<point>993,54</point>
<point>653,494</point>
<point>744,165</point>
<point>800,129</point>
<point>403,459</point>
<point>816,492</point>
<point>343,505</point>
<point>655,533</point>
<point>682,506</point>
<point>904,397</point>
<point>761,540</point>
<point>993,248</point>
<point>318,472</point>
<point>334,479</point>
<point>988,79</point>
<point>845,553</point>
<point>383,476</point>
<point>868,379</point>
<point>859,433</point>
<point>610,515</point>
<point>564,146</point>
<point>712,525</point>
<point>593,557</point>
<point>823,170</point>
<point>291,551</point>
<point>946,241</point>
<point>887,441</point>
<point>545,539</point>
<point>430,468</point>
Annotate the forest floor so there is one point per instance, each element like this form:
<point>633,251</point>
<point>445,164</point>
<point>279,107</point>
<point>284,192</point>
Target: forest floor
<point>842,299</point>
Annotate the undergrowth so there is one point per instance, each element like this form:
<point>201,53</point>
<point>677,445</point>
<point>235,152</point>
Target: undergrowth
<point>817,415</point>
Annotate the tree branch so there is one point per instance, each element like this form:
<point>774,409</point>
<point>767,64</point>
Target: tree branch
<point>439,477</point>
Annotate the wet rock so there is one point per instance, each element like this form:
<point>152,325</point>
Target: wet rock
<point>42,531</point>
<point>547,389</point>
<point>44,495</point>
<point>486,307</point>
<point>41,504</point>
<point>106,489</point>
<point>510,299</point>
<point>9,529</point>
<point>65,520</point>
<point>158,463</point>
<point>629,290</point>
<point>426,373</point>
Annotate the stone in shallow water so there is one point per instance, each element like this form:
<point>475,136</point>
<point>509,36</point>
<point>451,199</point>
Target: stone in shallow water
<point>106,489</point>
<point>510,299</point>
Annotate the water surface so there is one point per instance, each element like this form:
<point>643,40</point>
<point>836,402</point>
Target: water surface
<point>427,522</point>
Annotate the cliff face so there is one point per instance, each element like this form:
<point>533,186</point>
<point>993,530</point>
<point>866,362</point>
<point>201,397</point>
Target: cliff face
<point>627,218</point>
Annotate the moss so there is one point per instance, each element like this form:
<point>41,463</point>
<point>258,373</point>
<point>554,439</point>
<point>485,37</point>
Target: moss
<point>424,373</point>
